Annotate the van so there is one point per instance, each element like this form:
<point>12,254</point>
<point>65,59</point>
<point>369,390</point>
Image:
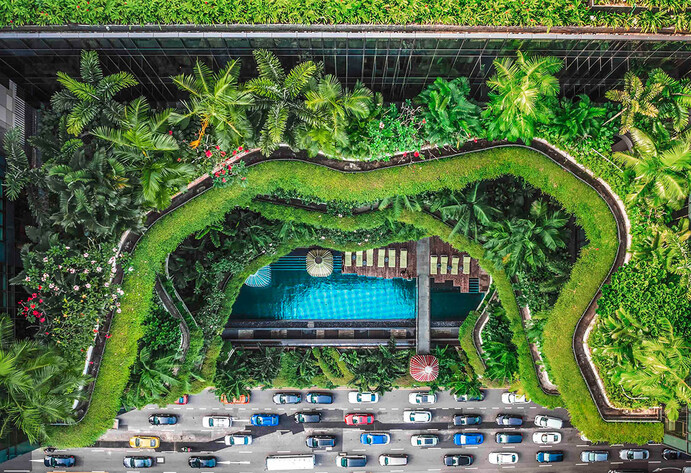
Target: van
<point>508,438</point>
<point>290,462</point>
<point>393,460</point>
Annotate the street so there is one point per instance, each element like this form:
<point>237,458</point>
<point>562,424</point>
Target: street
<point>289,437</point>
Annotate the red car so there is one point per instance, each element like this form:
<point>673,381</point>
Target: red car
<point>359,419</point>
<point>184,399</point>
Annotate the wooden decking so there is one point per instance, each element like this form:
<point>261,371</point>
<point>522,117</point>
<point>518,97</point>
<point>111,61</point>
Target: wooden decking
<point>447,264</point>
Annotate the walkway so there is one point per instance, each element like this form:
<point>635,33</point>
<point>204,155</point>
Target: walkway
<point>423,312</point>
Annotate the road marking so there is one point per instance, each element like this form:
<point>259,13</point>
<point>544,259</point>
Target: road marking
<point>654,461</point>
<point>396,471</point>
<point>533,407</point>
<point>245,451</point>
<point>16,471</point>
<point>434,469</point>
<point>98,450</point>
<point>189,408</point>
<point>359,450</point>
<point>168,472</point>
<point>544,465</point>
<point>215,408</point>
<point>472,447</point>
<point>617,445</point>
<point>617,463</point>
<point>398,449</point>
<point>581,464</point>
<point>284,451</point>
<point>395,408</point>
<point>496,408</point>
<point>507,467</point>
<point>582,445</point>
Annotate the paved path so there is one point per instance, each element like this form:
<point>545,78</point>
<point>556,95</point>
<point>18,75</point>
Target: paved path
<point>423,311</point>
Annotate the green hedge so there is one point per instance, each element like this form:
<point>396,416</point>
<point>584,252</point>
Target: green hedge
<point>326,184</point>
<point>529,13</point>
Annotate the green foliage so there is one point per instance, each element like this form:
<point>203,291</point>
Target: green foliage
<point>454,374</point>
<point>395,131</point>
<point>450,118</point>
<point>378,368</point>
<point>162,330</point>
<point>578,120</point>
<point>299,368</point>
<point>500,353</point>
<point>522,96</point>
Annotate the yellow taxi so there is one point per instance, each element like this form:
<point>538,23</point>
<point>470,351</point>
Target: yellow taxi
<point>140,441</point>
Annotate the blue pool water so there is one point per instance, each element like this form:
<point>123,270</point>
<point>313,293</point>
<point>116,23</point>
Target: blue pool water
<point>295,295</point>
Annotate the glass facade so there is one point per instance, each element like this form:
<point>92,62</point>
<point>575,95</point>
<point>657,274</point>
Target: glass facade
<point>398,64</point>
<point>677,433</point>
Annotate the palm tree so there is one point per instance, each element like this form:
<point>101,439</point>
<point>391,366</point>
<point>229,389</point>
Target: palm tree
<point>470,210</point>
<point>520,95</point>
<point>153,378</point>
<point>161,179</point>
<point>501,360</point>
<point>636,99</point>
<point>217,101</point>
<point>399,203</point>
<point>37,386</point>
<point>661,176</point>
<point>578,119</point>
<point>280,98</point>
<point>264,365</point>
<point>91,100</point>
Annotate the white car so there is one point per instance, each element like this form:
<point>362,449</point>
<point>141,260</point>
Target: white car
<point>362,398</point>
<point>513,398</point>
<point>424,440</point>
<point>217,422</point>
<point>417,417</point>
<point>238,439</point>
<point>422,398</point>
<point>548,422</point>
<point>546,438</point>
<point>503,458</point>
<point>634,454</point>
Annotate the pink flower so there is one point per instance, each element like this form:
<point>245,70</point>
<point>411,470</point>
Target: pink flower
<point>208,153</point>
<point>218,147</point>
<point>170,132</point>
<point>416,154</point>
<point>243,178</point>
<point>223,153</point>
<point>224,179</point>
<point>42,319</point>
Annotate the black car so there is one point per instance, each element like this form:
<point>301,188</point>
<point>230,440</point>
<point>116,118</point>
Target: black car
<point>509,420</point>
<point>321,441</point>
<point>308,417</point>
<point>202,462</point>
<point>163,419</point>
<point>458,460</point>
<point>466,420</point>
<point>138,462</point>
<point>319,398</point>
<point>63,461</point>
<point>670,454</point>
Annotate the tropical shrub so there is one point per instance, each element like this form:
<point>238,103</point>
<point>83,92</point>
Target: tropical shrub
<point>578,119</point>
<point>500,353</point>
<point>378,368</point>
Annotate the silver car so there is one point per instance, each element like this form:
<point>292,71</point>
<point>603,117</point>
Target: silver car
<point>634,454</point>
<point>593,456</point>
<point>417,417</point>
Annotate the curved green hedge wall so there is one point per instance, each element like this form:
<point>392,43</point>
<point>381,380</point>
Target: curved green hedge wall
<point>308,179</point>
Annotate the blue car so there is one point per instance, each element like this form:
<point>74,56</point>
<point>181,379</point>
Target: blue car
<point>550,457</point>
<point>375,439</point>
<point>270,420</point>
<point>468,439</point>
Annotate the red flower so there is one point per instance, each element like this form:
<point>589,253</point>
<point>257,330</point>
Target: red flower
<point>218,147</point>
<point>33,295</point>
<point>42,319</point>
<point>405,153</point>
<point>47,333</point>
<point>474,140</point>
<point>35,312</point>
<point>235,152</point>
<point>424,121</point>
<point>224,179</point>
<point>33,306</point>
<point>40,287</point>
<point>41,301</point>
<point>216,173</point>
<point>179,159</point>
<point>170,132</point>
<point>95,330</point>
<point>108,336</point>
<point>240,148</point>
<point>223,153</point>
<point>208,153</point>
<point>416,154</point>
<point>243,178</point>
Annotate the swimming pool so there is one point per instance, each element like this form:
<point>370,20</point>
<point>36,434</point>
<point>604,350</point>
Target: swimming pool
<point>293,294</point>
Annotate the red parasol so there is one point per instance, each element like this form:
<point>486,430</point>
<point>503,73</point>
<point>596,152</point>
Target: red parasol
<point>424,368</point>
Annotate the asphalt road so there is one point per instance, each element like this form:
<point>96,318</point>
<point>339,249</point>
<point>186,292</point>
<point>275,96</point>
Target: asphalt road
<point>289,437</point>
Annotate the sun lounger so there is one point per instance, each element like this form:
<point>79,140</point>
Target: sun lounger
<point>433,265</point>
<point>444,264</point>
<point>392,257</point>
<point>404,259</point>
<point>348,258</point>
<point>358,259</point>
<point>466,265</point>
<point>381,254</point>
<point>454,265</point>
<point>370,257</point>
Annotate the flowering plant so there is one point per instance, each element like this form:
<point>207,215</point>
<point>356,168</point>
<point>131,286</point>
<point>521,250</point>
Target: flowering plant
<point>231,172</point>
<point>71,291</point>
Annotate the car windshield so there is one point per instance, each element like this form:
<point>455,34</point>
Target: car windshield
<point>140,462</point>
<point>211,421</point>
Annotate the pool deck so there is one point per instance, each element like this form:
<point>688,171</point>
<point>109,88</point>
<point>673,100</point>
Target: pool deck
<point>424,321</point>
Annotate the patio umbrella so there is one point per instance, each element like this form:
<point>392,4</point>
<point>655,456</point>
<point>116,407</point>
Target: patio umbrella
<point>262,278</point>
<point>424,368</point>
<point>320,263</point>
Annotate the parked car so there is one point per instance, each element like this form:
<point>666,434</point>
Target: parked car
<point>470,438</point>
<point>243,399</point>
<point>142,441</point>
<point>466,420</point>
<point>422,398</point>
<point>319,398</point>
<point>592,456</point>
<point>137,462</point>
<point>670,454</point>
<point>355,397</point>
<point>470,397</point>
<point>548,422</point>
<point>634,454</point>
<point>59,461</point>
<point>308,417</point>
<point>321,441</point>
<point>546,438</point>
<point>217,422</point>
<point>287,398</point>
<point>506,419</point>
<point>238,439</point>
<point>270,420</point>
<point>417,417</point>
<point>424,440</point>
<point>163,419</point>
<point>359,419</point>
<point>375,439</point>
<point>550,457</point>
<point>458,460</point>
<point>201,461</point>
<point>184,399</point>
<point>503,458</point>
<point>393,460</point>
<point>351,461</point>
<point>636,470</point>
<point>513,398</point>
<point>508,437</point>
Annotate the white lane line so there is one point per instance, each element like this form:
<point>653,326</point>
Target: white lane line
<point>284,451</point>
<point>398,449</point>
<point>359,450</point>
<point>582,445</point>
<point>97,450</point>
<point>581,464</point>
<point>168,472</point>
<point>655,461</point>
<point>433,469</point>
<point>189,408</point>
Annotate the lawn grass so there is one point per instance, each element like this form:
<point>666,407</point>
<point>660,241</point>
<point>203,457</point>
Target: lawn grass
<point>307,179</point>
